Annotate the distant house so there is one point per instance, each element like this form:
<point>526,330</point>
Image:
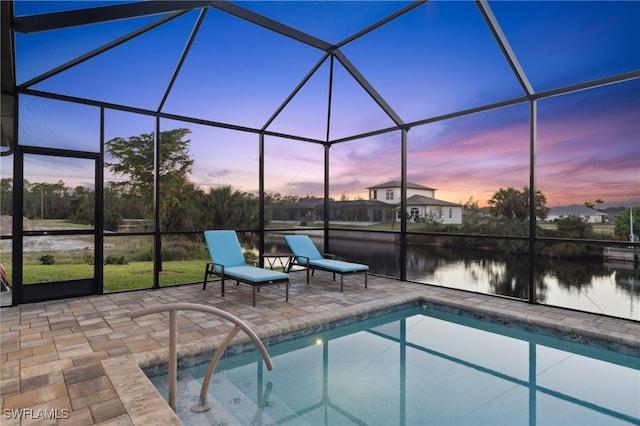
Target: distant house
<point>389,192</point>
<point>585,213</point>
<point>421,202</point>
<point>383,205</point>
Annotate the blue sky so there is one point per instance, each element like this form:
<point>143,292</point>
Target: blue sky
<point>437,59</point>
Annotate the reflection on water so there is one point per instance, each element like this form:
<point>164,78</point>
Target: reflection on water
<point>606,288</point>
<point>418,366</point>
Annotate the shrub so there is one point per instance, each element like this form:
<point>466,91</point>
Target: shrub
<point>87,257</point>
<point>47,259</point>
<point>174,253</point>
<point>112,220</point>
<point>113,259</point>
<point>569,251</point>
<point>574,227</point>
<point>143,254</point>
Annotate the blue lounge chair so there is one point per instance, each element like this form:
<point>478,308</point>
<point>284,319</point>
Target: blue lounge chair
<point>307,255</point>
<point>227,261</point>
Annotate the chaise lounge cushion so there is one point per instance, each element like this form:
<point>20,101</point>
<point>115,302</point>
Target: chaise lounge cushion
<point>338,265</point>
<point>224,248</point>
<point>254,274</point>
<point>302,247</point>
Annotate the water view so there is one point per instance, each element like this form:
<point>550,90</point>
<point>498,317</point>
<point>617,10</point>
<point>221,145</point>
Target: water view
<point>604,288</point>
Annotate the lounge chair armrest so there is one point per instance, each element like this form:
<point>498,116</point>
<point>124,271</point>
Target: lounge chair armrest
<point>253,262</point>
<point>218,265</point>
<point>305,260</point>
<point>328,256</point>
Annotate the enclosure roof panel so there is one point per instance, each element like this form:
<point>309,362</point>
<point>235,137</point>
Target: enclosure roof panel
<point>325,71</point>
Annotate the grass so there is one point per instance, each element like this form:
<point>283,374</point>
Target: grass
<point>45,273</point>
<point>600,230</point>
<point>135,275</point>
<point>57,223</point>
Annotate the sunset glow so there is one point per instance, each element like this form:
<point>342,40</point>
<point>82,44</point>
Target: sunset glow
<point>437,59</point>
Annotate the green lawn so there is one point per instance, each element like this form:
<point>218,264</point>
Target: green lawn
<point>140,274</point>
<point>57,223</point>
<point>134,275</point>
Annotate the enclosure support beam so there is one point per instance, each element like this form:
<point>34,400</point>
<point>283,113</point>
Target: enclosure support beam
<point>503,43</point>
<point>272,25</point>
<point>261,199</point>
<point>403,205</point>
<point>327,148</point>
<point>99,213</point>
<point>533,124</point>
<point>183,57</point>
<point>73,18</point>
<point>368,88</point>
<point>157,238</point>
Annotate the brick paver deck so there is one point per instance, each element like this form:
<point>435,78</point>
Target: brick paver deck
<point>79,359</point>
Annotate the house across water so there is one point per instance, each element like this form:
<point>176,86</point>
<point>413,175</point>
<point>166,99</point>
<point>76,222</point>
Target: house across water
<point>383,205</point>
<point>587,214</point>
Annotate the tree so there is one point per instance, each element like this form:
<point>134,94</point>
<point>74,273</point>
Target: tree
<point>135,160</point>
<point>228,208</point>
<point>279,199</point>
<point>594,204</point>
<point>622,224</point>
<point>82,205</point>
<point>512,204</point>
<point>118,205</point>
<point>471,205</point>
<point>6,196</point>
<point>46,200</point>
<point>352,213</point>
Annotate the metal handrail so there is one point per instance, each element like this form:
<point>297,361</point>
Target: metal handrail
<point>173,355</point>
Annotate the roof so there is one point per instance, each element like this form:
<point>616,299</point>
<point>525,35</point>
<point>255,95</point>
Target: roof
<point>575,209</point>
<point>361,203</point>
<point>398,184</point>
<point>428,201</point>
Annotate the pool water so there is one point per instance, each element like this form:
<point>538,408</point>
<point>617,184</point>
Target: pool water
<point>418,367</point>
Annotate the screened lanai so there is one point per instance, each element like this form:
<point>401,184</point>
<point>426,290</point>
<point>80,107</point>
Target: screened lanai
<point>434,141</point>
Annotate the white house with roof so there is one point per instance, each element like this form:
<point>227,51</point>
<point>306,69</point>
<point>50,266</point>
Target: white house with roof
<point>421,202</point>
<point>585,213</point>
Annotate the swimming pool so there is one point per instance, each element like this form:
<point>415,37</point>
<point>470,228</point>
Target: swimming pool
<point>418,366</point>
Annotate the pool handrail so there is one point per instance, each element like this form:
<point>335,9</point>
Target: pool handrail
<point>173,335</point>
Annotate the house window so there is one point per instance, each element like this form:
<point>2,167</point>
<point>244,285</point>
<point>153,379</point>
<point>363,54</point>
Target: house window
<point>414,213</point>
<point>450,213</point>
<point>389,194</point>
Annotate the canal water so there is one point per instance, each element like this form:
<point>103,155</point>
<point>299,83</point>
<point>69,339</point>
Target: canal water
<point>593,286</point>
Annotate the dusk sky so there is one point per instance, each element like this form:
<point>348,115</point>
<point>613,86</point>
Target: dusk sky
<point>435,60</point>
